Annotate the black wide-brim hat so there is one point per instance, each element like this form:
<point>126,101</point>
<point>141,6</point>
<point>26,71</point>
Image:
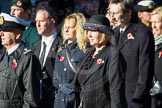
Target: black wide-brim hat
<point>99,23</point>
<point>145,5</point>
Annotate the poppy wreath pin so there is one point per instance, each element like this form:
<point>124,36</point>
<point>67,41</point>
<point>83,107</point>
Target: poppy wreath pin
<point>14,64</point>
<point>99,61</point>
<point>130,36</point>
<point>160,54</point>
<point>52,49</point>
<point>61,58</point>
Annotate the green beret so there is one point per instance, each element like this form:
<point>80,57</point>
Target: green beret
<point>25,4</point>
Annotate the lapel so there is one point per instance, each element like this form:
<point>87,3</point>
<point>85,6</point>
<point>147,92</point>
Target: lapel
<point>37,48</point>
<point>4,64</point>
<point>91,71</point>
<point>102,55</point>
<point>54,48</point>
<point>2,53</point>
<point>124,40</point>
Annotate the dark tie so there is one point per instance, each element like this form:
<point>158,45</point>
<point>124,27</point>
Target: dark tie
<point>41,62</point>
<point>121,34</point>
<point>43,54</point>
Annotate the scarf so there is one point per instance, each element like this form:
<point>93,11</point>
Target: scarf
<point>158,40</point>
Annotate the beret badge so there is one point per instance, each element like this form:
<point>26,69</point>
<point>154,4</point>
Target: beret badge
<point>19,2</point>
<point>1,20</point>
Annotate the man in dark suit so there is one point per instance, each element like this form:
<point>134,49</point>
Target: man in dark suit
<point>136,45</point>
<point>46,49</point>
<point>19,67</point>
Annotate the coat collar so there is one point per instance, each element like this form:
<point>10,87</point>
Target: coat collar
<point>102,55</point>
<point>15,55</point>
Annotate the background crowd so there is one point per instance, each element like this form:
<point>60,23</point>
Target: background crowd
<point>80,54</point>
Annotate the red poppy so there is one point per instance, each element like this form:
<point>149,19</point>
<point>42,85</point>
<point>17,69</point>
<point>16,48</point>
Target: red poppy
<point>160,54</point>
<point>130,36</point>
<point>61,58</point>
<point>99,61</point>
<point>53,49</point>
<point>14,64</point>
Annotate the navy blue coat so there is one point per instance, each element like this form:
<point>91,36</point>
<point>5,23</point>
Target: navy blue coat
<point>64,75</point>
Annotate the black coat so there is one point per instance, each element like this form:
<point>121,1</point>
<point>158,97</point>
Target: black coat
<point>19,85</point>
<point>98,81</point>
<point>136,48</point>
<point>48,94</point>
<point>157,102</point>
<point>158,63</point>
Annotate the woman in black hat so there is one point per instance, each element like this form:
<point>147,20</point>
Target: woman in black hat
<point>97,83</point>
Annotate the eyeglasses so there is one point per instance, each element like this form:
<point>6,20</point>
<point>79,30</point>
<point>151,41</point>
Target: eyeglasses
<point>113,13</point>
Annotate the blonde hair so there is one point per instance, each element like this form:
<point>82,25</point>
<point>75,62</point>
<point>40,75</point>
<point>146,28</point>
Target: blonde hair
<point>157,10</point>
<point>79,19</point>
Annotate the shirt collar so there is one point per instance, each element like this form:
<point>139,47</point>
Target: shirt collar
<point>11,50</point>
<point>49,39</point>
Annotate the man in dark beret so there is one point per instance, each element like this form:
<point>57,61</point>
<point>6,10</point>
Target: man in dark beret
<point>19,67</point>
<point>22,9</point>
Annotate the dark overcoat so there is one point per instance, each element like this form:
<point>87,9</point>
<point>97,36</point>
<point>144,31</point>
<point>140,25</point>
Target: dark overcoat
<point>98,81</point>
<point>19,79</point>
<point>136,48</point>
<point>157,102</point>
<point>48,89</point>
<point>64,75</point>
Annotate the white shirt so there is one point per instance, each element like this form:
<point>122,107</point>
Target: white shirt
<point>11,50</point>
<point>48,40</point>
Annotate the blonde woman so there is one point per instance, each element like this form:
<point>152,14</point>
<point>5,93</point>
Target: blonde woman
<point>156,20</point>
<point>68,59</point>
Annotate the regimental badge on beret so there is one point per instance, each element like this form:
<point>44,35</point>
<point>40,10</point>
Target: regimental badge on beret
<point>19,2</point>
<point>1,20</point>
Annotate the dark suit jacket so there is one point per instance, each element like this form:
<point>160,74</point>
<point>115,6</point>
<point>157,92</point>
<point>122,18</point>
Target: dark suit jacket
<point>19,83</point>
<point>48,89</point>
<point>49,65</point>
<point>99,80</point>
<point>136,48</point>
